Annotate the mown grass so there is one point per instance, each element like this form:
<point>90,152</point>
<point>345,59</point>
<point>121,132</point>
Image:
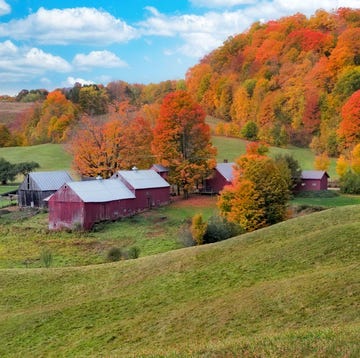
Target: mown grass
<point>232,148</point>
<point>290,290</point>
<point>49,156</point>
<point>327,202</point>
<point>23,236</point>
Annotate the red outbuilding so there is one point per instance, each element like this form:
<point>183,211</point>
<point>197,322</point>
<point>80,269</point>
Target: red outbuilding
<point>149,187</point>
<point>312,180</point>
<point>222,175</point>
<point>82,204</point>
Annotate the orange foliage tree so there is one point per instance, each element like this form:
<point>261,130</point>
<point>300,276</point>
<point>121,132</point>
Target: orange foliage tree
<point>104,148</point>
<point>182,141</point>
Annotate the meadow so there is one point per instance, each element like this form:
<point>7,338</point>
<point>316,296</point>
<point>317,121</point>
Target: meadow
<point>24,235</point>
<point>287,290</point>
<point>290,290</point>
<point>56,157</point>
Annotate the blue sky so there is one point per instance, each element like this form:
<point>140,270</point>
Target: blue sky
<point>50,44</point>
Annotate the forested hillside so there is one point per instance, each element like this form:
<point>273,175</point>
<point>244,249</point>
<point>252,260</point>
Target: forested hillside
<point>294,80</point>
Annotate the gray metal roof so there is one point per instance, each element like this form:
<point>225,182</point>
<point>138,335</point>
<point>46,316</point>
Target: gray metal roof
<point>226,170</point>
<point>50,180</point>
<point>160,168</point>
<point>313,174</point>
<point>100,191</point>
<point>142,179</point>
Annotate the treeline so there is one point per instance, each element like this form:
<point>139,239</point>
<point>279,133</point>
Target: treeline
<point>54,116</point>
<point>295,80</point>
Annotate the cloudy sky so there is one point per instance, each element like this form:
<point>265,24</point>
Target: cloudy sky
<point>50,44</point>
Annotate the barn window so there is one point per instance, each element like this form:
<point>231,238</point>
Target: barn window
<point>28,182</point>
<point>313,184</point>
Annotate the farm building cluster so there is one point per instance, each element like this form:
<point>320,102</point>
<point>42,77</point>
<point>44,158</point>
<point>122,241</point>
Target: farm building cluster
<point>81,204</point>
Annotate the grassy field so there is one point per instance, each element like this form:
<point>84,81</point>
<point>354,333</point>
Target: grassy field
<point>290,290</point>
<point>54,156</point>
<point>49,156</point>
<point>232,148</point>
<point>327,202</point>
<point>23,236</point>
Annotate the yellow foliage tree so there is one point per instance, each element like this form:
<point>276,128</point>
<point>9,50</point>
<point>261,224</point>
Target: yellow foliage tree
<point>198,228</point>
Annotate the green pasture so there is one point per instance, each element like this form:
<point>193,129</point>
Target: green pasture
<point>49,156</point>
<point>23,235</point>
<point>290,290</point>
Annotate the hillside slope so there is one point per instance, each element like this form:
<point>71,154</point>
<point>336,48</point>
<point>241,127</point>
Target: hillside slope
<point>288,80</point>
<point>288,290</point>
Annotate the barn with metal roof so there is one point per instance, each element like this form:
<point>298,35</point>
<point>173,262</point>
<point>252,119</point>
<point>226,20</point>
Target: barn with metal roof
<point>39,185</point>
<point>222,175</point>
<point>313,180</point>
<point>82,204</point>
<point>148,186</point>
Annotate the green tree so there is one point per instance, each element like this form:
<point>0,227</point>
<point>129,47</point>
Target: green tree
<point>7,171</point>
<point>250,130</point>
<point>293,166</point>
<point>25,168</point>
<point>94,100</point>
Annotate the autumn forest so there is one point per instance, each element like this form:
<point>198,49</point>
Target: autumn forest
<point>293,81</point>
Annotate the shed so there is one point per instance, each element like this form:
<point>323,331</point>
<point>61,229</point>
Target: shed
<point>39,185</point>
<point>149,187</point>
<point>82,204</point>
<point>161,170</point>
<point>222,175</point>
<point>312,180</point>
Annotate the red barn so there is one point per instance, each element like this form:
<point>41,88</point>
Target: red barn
<point>222,175</point>
<point>149,187</point>
<point>82,204</point>
<point>161,170</point>
<point>312,180</point>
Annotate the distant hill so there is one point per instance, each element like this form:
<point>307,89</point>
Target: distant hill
<point>9,111</point>
<point>289,290</point>
<point>290,77</point>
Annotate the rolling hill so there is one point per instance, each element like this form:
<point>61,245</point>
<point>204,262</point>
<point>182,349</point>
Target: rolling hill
<point>55,157</point>
<point>287,290</point>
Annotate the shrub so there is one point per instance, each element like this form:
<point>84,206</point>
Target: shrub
<point>350,183</point>
<point>46,257</point>
<point>134,252</point>
<point>184,237</point>
<point>219,229</point>
<point>114,254</point>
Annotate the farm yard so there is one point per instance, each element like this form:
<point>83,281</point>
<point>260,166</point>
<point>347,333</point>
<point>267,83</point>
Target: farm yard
<point>24,236</point>
<point>126,230</point>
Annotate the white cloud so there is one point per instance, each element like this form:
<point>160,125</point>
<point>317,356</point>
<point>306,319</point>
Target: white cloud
<point>70,81</point>
<point>98,59</point>
<point>37,58</point>
<point>4,8</point>
<point>7,49</point>
<point>200,34</point>
<point>74,25</point>
<point>21,64</point>
<point>221,3</point>
<point>203,33</point>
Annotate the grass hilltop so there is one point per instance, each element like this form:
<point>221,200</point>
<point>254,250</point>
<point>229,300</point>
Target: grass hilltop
<point>288,290</point>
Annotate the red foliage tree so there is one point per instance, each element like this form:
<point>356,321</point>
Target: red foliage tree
<point>349,129</point>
